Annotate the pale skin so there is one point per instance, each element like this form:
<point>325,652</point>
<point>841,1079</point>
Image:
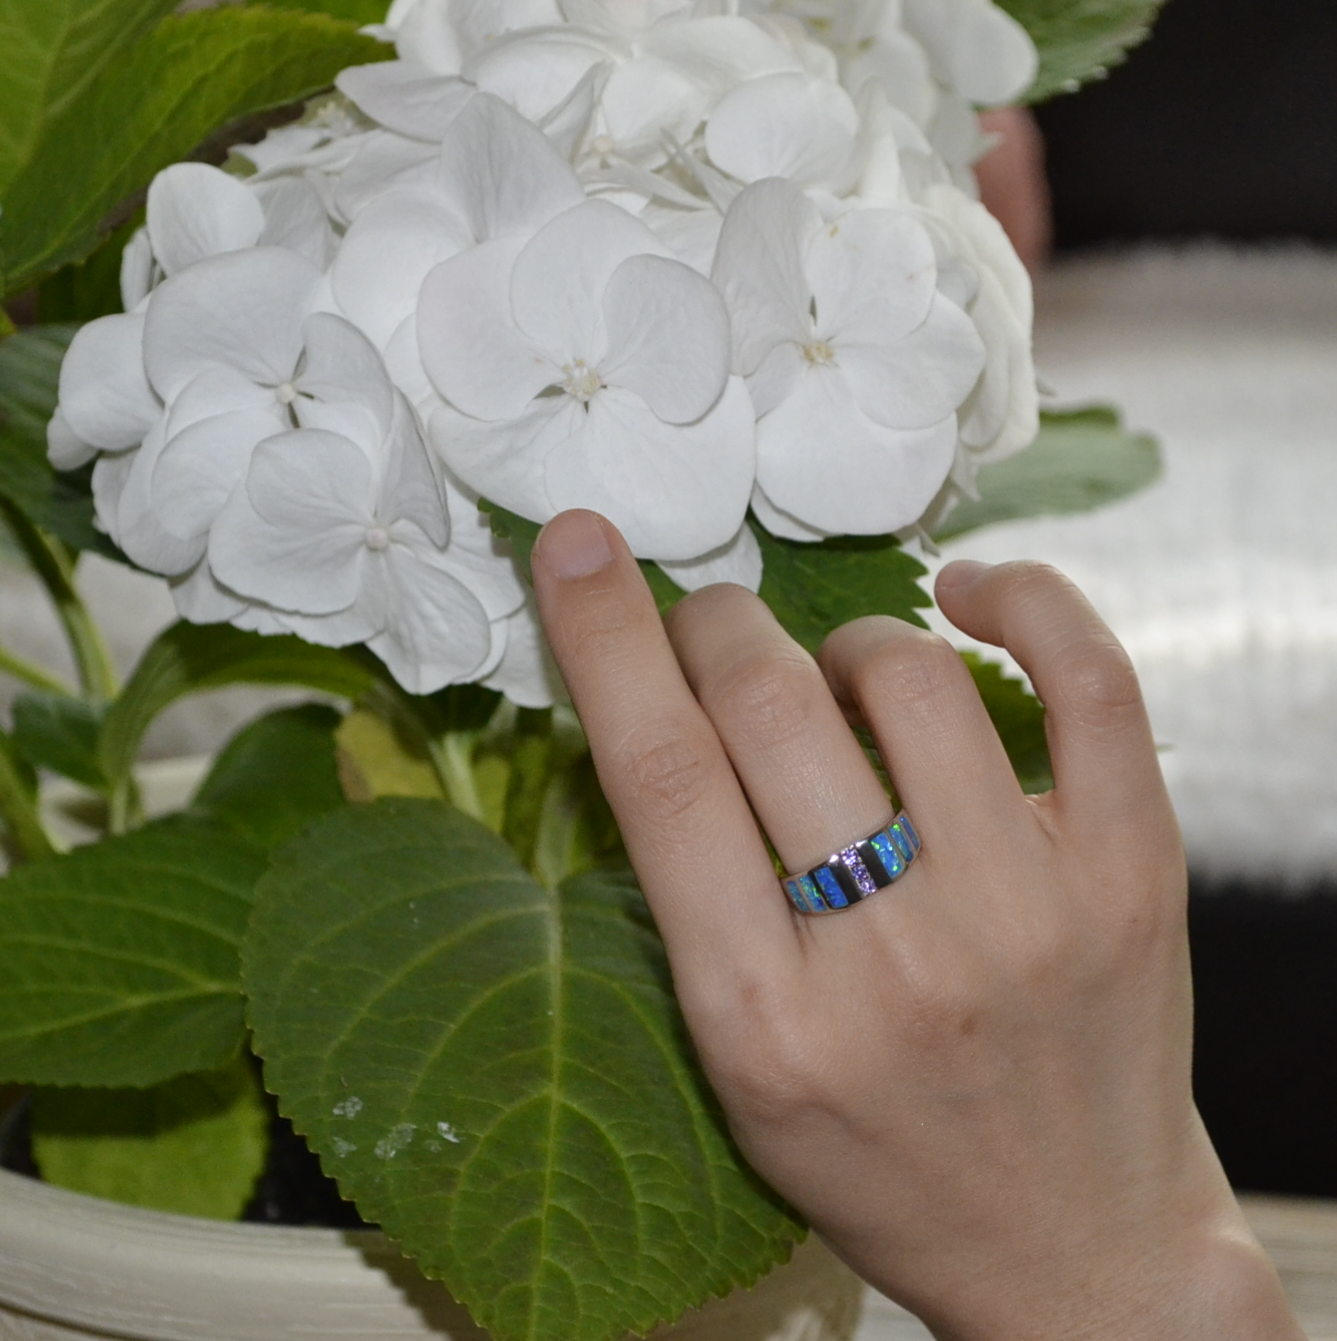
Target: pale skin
<point>976,1084</point>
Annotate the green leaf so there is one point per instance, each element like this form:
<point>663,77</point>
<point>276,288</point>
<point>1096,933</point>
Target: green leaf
<point>275,776</point>
<point>1019,718</point>
<point>1081,460</point>
<point>52,53</point>
<point>120,960</point>
<point>89,288</point>
<point>813,589</point>
<point>355,11</point>
<point>102,141</point>
<point>193,1146</point>
<point>61,504</point>
<point>1080,40</point>
<point>499,1075</point>
<point>188,658</point>
<point>58,732</point>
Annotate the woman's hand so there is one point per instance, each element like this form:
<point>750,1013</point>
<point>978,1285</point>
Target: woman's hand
<point>975,1084</point>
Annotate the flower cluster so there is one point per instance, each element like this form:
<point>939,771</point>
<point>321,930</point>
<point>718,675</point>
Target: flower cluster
<point>667,260</point>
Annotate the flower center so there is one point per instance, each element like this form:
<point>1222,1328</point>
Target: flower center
<point>581,381</point>
<point>286,392</point>
<point>819,352</point>
<point>377,538</point>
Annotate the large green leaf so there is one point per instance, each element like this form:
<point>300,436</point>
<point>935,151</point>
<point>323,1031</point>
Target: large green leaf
<point>356,11</point>
<point>1081,460</point>
<point>275,776</point>
<point>183,80</point>
<point>1080,39</point>
<point>188,658</point>
<point>59,732</point>
<point>120,960</point>
<point>52,52</point>
<point>497,1072</point>
<point>194,1145</point>
<point>59,504</point>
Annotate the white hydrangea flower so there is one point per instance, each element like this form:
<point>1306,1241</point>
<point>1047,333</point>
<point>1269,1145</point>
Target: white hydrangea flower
<point>584,367</point>
<point>857,363</point>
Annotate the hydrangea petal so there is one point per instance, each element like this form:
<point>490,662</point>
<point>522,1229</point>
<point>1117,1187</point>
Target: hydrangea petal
<point>668,337</point>
<point>295,218</point>
<point>535,72</point>
<point>783,125</point>
<point>738,561</point>
<point>406,97</point>
<point>105,397</point>
<point>341,366</point>
<point>559,279</point>
<point>977,48</point>
<point>923,377</point>
<point>244,310</point>
<point>674,491</point>
<point>471,347</point>
<point>384,162</point>
<point>195,211</point>
<point>137,528</point>
<point>410,489</point>
<point>526,673</point>
<point>880,480</point>
<point>64,448</point>
<point>295,534</point>
<point>780,523</point>
<point>759,269</point>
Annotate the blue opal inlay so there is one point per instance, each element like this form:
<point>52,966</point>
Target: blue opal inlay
<point>886,851</point>
<point>830,887</point>
<point>809,891</point>
<point>904,822</point>
<point>898,836</point>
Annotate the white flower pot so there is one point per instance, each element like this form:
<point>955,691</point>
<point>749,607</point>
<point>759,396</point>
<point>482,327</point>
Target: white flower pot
<point>73,1266</point>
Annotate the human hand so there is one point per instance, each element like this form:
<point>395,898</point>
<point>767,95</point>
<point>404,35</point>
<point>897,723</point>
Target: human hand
<point>976,1083</point>
<point>1013,186</point>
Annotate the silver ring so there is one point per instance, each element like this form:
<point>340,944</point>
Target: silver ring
<point>849,876</point>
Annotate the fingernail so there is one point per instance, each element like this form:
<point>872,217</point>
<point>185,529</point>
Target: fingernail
<point>574,545</point>
<point>961,573</point>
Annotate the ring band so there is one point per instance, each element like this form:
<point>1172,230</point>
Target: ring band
<point>852,874</point>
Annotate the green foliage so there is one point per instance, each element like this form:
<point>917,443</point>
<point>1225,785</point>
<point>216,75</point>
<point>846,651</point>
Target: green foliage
<point>275,776</point>
<point>498,1073</point>
<point>120,961</point>
<point>89,288</point>
<point>118,101</point>
<point>1080,40</point>
<point>59,732</point>
<point>1081,460</point>
<point>355,11</point>
<point>194,1145</point>
<point>60,504</point>
<point>1019,718</point>
<point>188,658</point>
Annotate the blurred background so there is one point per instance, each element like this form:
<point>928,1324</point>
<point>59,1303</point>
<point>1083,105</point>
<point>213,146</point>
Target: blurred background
<point>1190,201</point>
<point>1193,282</point>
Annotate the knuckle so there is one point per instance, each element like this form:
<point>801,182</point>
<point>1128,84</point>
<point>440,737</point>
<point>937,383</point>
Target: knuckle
<point>1097,675</point>
<point>666,776</point>
<point>768,697</point>
<point>908,669</point>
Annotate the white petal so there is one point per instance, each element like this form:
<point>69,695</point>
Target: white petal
<point>295,218</point>
<point>483,563</point>
<point>295,534</point>
<point>404,363</point>
<point>196,211</point>
<point>424,34</point>
<point>137,270</point>
<point>920,379</point>
<point>502,174</point>
<point>138,528</point>
<point>243,310</point>
<point>527,674</point>
<point>673,491</point>
<point>668,337</point>
<point>759,270</point>
<point>199,467</point>
<point>784,125</point>
<point>781,523</point>
<point>384,162</point>
<point>503,461</point>
<point>535,72</point>
<point>558,283</point>
<point>387,253</point>
<point>821,459</point>
<point>406,97</point>
<point>410,489</point>
<point>691,234</point>
<point>899,64</point>
<point>341,366</point>
<point>111,473</point>
<point>105,396</point>
<point>978,48</point>
<point>436,633</point>
<point>64,448</point>
<point>476,356</point>
<point>646,98</point>
<point>872,274</point>
<point>720,51</point>
<point>218,390</point>
<point>202,599</point>
<point>738,561</point>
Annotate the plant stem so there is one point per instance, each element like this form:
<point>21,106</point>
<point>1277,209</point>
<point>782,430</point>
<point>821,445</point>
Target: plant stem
<point>32,674</point>
<point>53,564</point>
<point>452,757</point>
<point>531,768</point>
<point>26,837</point>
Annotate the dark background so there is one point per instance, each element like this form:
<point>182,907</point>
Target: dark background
<point>1224,125</point>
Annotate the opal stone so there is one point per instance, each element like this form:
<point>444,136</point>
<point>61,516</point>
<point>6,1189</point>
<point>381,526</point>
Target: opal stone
<point>830,887</point>
<point>886,850</point>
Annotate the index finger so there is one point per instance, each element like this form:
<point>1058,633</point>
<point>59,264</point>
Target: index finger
<point>688,828</point>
